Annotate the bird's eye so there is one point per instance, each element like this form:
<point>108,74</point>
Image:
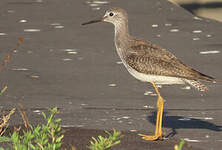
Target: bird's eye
<point>111,14</point>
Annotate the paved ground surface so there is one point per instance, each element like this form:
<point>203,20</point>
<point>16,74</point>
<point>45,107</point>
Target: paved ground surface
<point>76,68</point>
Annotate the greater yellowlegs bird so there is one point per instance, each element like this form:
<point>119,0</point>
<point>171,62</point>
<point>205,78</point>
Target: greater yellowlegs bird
<point>150,63</point>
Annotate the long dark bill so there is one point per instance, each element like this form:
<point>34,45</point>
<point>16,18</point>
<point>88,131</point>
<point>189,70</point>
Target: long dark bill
<point>93,21</point>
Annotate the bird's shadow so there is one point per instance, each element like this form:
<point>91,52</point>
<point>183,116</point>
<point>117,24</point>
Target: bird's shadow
<point>179,122</point>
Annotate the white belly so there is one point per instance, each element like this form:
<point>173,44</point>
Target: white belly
<point>154,78</point>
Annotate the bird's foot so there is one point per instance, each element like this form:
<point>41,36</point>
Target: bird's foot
<point>151,137</point>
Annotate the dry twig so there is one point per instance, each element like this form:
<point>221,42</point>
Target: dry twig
<point>7,58</point>
<point>4,121</point>
<point>24,116</point>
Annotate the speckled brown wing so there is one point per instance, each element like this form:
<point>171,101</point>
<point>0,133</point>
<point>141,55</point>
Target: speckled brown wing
<point>144,48</point>
<point>150,59</point>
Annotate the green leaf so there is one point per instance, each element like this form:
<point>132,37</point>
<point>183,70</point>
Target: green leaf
<point>181,144</point>
<point>58,120</point>
<point>44,115</point>
<point>59,138</point>
<point>3,90</point>
<point>176,147</point>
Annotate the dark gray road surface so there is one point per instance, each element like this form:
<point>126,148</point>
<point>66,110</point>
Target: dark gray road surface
<point>76,68</point>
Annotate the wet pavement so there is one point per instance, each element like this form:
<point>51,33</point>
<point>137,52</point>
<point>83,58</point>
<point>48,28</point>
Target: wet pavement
<point>76,68</point>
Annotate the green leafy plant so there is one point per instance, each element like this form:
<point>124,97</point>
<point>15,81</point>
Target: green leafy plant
<point>4,139</point>
<point>180,146</point>
<point>42,137</point>
<point>105,143</point>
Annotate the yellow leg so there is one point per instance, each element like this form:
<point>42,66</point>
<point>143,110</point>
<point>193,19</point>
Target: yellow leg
<point>158,129</point>
<point>161,104</point>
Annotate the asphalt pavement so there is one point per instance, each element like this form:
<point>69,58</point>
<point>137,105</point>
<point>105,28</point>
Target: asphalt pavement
<point>76,68</point>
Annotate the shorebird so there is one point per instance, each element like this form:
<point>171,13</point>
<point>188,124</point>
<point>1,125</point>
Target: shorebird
<point>148,62</point>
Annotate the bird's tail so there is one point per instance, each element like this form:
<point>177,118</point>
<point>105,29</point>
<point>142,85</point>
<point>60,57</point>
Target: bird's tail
<point>206,78</point>
<point>196,84</point>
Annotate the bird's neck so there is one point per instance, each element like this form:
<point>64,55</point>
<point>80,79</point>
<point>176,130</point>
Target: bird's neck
<point>122,38</point>
<point>121,31</point>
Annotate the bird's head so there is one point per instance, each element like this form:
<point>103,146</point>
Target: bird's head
<point>114,15</point>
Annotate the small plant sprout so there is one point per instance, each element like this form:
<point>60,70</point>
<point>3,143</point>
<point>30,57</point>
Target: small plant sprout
<point>180,146</point>
<point>105,143</point>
